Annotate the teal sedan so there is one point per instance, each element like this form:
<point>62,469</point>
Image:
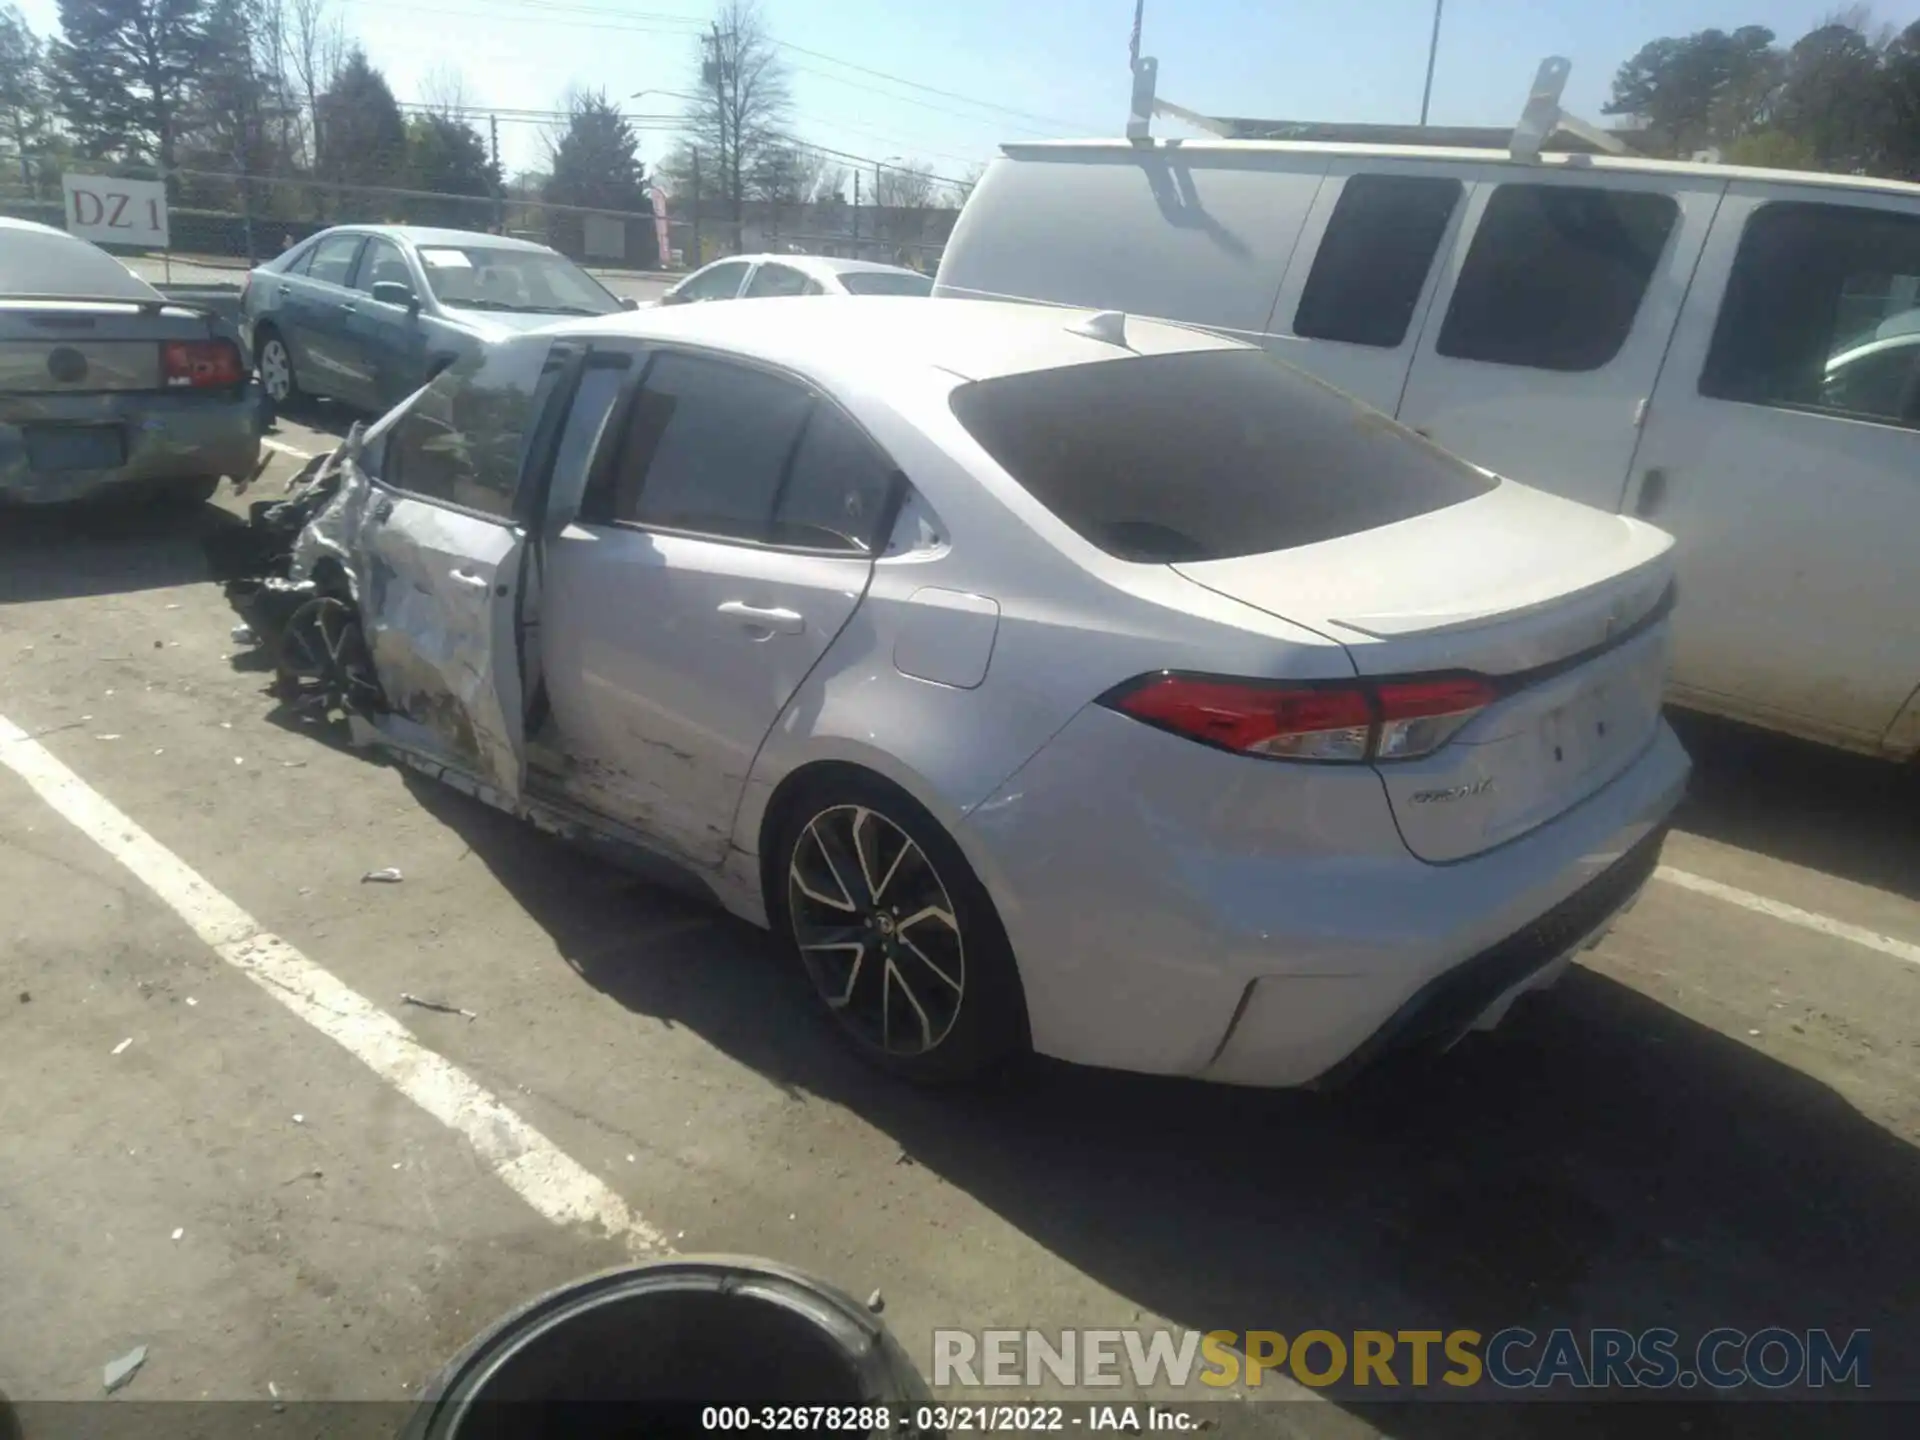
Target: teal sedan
<point>367,314</point>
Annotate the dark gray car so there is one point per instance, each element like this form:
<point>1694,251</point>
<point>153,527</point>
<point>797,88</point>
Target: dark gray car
<point>108,388</point>
<point>366,314</point>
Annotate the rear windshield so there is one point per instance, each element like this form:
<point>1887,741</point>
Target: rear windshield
<point>885,282</point>
<point>1206,455</point>
<point>49,262</point>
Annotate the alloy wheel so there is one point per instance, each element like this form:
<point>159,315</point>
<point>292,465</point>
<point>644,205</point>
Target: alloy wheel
<point>276,370</point>
<point>324,659</point>
<point>877,930</point>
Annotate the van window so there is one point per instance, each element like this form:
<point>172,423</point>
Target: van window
<point>1206,455</point>
<point>1556,275</point>
<point>1822,312</point>
<point>1373,260</point>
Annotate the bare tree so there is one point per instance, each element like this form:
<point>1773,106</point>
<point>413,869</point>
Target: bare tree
<point>963,187</point>
<point>903,187</point>
<point>445,93</point>
<point>317,53</point>
<point>739,124</point>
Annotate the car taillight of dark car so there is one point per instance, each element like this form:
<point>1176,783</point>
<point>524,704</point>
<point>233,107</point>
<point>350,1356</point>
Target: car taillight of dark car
<point>199,364</point>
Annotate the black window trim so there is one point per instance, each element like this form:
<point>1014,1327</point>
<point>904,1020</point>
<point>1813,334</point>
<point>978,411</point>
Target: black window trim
<point>614,436</point>
<point>1790,407</point>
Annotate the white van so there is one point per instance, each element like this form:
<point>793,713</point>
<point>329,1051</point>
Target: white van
<point>1733,354</point>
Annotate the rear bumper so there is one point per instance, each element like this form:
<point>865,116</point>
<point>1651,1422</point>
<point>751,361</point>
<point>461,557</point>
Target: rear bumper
<point>168,437</point>
<point>1169,915</point>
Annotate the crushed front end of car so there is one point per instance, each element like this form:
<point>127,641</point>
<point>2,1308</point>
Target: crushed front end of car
<point>292,577</point>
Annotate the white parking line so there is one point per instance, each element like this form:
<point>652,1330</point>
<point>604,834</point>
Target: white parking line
<point>275,445</point>
<point>1791,914</point>
<point>532,1166</point>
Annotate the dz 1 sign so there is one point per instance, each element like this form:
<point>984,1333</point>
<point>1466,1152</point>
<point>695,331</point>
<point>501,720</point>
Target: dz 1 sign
<point>116,212</point>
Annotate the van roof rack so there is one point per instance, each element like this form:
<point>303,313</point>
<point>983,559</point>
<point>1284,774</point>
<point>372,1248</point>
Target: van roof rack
<point>1541,120</point>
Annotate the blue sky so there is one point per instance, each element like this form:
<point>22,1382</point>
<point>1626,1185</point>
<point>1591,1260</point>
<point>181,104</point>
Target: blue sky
<point>1061,64</point>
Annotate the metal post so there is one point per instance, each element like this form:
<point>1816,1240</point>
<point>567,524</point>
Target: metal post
<point>499,178</point>
<point>1433,53</point>
<point>694,212</point>
<point>856,215</point>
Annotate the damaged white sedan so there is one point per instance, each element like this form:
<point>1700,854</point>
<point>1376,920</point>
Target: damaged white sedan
<point>1044,680</point>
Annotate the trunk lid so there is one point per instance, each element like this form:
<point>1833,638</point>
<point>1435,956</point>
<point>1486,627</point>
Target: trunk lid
<point>71,347</point>
<point>1562,605</point>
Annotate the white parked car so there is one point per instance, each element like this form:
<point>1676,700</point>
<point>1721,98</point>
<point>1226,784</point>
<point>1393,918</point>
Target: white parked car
<point>1649,337</point>
<point>749,277</point>
<point>1042,679</point>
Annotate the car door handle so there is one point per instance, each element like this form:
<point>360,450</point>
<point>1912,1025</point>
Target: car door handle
<point>787,622</point>
<point>383,511</point>
<point>469,579</point>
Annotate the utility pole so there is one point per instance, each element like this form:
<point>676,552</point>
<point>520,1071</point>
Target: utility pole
<point>499,177</point>
<point>856,214</point>
<point>694,262</point>
<point>1433,53</point>
<point>879,202</point>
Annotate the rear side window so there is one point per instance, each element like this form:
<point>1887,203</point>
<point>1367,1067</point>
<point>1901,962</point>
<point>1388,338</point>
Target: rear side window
<point>1206,455</point>
<point>835,493</point>
<point>735,453</point>
<point>461,442</point>
<point>1373,261</point>
<point>1556,275</point>
<point>706,444</point>
<point>1822,312</point>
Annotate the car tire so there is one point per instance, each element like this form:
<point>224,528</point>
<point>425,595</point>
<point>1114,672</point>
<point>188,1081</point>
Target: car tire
<point>919,978</point>
<point>274,362</point>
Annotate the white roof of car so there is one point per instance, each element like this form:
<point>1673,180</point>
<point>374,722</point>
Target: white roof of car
<point>823,265</point>
<point>1067,150</point>
<point>858,338</point>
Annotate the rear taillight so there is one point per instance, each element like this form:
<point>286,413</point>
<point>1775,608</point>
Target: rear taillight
<point>1341,723</point>
<point>196,364</point>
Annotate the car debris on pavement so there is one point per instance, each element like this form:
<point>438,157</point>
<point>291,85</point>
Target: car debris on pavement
<point>439,1005</point>
<point>118,1372</point>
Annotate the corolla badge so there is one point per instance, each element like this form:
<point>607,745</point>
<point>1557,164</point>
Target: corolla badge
<point>1457,792</point>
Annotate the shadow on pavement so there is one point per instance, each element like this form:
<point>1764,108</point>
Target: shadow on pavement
<point>1844,815</point>
<point>1600,1161</point>
<point>69,551</point>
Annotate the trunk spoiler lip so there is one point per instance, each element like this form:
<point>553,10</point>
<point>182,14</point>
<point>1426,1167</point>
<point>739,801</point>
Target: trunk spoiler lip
<point>145,307</point>
<point>1502,685</point>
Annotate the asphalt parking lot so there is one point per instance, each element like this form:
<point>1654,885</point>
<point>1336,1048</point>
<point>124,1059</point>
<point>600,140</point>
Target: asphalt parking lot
<point>1711,1122</point>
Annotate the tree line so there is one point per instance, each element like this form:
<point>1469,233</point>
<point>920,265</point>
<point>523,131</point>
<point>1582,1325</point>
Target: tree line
<point>1844,97</point>
<point>271,107</point>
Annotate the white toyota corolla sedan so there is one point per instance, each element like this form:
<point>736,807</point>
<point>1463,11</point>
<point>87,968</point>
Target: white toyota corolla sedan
<point>1044,680</point>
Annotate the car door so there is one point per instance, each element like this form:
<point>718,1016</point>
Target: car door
<point>316,313</point>
<point>725,537</point>
<point>1792,486</point>
<point>1546,338</point>
<point>441,552</point>
<point>770,277</point>
<point>388,342</point>
<point>719,281</point>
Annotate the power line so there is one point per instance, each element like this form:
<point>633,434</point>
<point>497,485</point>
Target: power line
<point>616,20</point>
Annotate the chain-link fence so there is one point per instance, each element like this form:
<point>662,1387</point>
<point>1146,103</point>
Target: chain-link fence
<point>230,220</point>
